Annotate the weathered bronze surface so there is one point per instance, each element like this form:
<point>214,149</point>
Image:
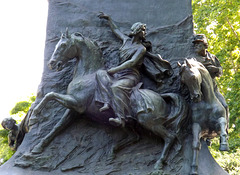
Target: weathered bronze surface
<point>208,114</point>
<point>110,104</point>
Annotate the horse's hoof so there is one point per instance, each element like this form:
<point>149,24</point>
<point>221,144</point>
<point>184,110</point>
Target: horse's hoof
<point>157,172</point>
<point>37,149</point>
<point>194,173</point>
<point>224,147</point>
<point>158,166</point>
<point>194,170</point>
<point>111,155</point>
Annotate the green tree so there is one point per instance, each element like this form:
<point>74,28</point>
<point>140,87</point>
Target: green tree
<point>23,106</point>
<point>19,110</point>
<point>5,152</point>
<point>219,20</point>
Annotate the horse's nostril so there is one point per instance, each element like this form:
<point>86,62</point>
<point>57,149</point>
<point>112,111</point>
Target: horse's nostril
<point>59,63</point>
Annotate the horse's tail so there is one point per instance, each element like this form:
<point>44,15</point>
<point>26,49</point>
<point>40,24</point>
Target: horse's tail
<point>179,109</point>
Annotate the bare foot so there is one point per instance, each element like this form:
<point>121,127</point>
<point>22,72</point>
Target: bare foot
<point>116,122</point>
<point>105,107</point>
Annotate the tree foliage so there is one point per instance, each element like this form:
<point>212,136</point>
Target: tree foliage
<point>219,20</point>
<point>5,151</point>
<point>19,110</point>
<point>23,106</point>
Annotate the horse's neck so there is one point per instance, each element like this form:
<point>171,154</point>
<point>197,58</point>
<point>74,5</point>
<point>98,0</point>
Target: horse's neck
<point>207,87</point>
<point>89,61</point>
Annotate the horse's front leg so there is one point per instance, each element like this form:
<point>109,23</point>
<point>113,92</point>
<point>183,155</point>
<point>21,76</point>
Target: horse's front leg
<point>66,100</point>
<point>196,146</point>
<point>223,135</point>
<point>33,119</point>
<point>49,96</point>
<point>62,123</point>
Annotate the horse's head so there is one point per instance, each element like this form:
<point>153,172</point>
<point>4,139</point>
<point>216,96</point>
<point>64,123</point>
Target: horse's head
<point>64,51</point>
<point>191,77</point>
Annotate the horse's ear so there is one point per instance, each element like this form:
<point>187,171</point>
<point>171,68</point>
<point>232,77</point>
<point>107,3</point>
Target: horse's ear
<point>67,33</point>
<point>179,64</point>
<point>188,64</point>
<point>62,35</point>
<point>95,42</point>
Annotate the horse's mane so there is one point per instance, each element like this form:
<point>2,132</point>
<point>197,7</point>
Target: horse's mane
<point>93,45</point>
<point>202,69</point>
<point>195,63</point>
<point>79,36</point>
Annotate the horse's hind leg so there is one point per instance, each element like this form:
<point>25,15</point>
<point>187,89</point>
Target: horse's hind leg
<point>223,136</point>
<point>168,142</point>
<point>147,121</point>
<point>62,123</point>
<point>129,139</point>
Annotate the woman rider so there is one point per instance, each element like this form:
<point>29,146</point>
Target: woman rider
<point>132,53</point>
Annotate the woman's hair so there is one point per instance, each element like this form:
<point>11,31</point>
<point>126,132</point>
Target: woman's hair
<point>136,27</point>
<point>147,45</point>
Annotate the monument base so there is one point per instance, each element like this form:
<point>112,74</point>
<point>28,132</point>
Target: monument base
<point>79,154</point>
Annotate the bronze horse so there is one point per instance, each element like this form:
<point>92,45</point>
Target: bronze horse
<point>208,114</point>
<point>164,118</point>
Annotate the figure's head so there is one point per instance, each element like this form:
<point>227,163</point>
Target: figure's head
<point>8,123</point>
<point>191,77</point>
<point>65,50</point>
<point>138,28</point>
<point>200,43</point>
